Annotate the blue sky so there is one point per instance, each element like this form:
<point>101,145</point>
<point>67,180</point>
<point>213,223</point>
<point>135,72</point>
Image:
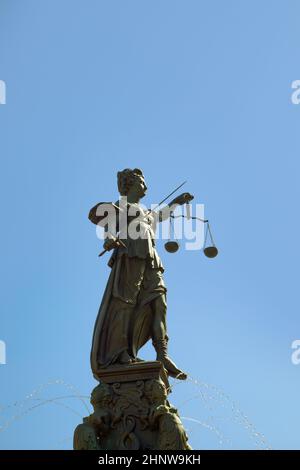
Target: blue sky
<point>185,90</point>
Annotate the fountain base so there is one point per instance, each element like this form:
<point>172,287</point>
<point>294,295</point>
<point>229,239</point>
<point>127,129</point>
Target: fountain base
<point>132,411</point>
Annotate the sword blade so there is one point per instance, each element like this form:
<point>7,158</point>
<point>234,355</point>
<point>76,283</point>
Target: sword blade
<point>169,195</point>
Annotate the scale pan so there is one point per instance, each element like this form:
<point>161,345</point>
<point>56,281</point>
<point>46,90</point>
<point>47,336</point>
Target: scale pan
<point>171,246</point>
<point>210,251</point>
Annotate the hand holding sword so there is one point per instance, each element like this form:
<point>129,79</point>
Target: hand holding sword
<point>110,244</point>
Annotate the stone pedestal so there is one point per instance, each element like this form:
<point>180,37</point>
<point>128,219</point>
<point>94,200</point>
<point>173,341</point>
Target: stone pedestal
<point>131,411</point>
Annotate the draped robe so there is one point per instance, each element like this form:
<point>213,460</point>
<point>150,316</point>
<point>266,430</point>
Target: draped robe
<point>125,315</point>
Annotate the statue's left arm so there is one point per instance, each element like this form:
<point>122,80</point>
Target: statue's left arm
<point>165,212</point>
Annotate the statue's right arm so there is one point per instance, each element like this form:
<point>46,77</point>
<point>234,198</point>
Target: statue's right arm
<point>99,213</point>
<point>92,215</point>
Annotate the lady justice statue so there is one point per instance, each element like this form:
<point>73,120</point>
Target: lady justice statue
<point>133,308</point>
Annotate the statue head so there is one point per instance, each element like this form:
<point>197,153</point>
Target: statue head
<point>101,395</point>
<point>156,391</point>
<point>131,183</point>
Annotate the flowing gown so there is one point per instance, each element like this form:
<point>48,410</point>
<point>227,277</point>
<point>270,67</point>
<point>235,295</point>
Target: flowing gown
<point>124,319</point>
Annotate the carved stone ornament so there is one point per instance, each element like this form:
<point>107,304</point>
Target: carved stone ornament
<point>132,413</point>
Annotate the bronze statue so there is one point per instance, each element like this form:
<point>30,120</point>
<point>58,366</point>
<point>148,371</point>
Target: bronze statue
<point>131,409</point>
<point>133,308</point>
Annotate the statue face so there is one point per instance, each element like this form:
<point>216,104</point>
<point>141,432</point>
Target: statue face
<point>139,187</point>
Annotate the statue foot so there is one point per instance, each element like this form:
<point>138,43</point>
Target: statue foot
<point>125,358</point>
<point>171,368</point>
<point>137,359</point>
<point>161,350</point>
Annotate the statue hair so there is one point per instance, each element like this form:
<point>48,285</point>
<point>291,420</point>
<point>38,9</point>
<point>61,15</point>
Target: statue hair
<point>126,178</point>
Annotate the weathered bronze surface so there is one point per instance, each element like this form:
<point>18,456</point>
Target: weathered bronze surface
<point>133,308</point>
<point>131,410</point>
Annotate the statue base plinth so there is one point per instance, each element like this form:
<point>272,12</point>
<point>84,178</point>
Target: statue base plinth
<point>131,411</point>
<point>142,370</point>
